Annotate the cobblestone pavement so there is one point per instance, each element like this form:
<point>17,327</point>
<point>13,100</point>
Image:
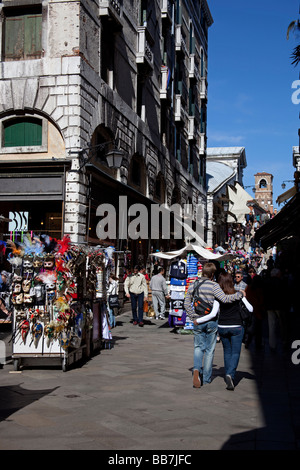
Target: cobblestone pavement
<point>139,395</point>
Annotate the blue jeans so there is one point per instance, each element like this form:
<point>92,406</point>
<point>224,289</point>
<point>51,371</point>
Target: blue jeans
<point>205,337</point>
<point>111,316</point>
<point>232,343</point>
<point>137,306</point>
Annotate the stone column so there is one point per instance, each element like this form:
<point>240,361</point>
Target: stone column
<point>76,203</point>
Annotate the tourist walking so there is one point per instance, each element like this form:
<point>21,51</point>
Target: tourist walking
<point>136,290</point>
<point>230,328</point>
<point>239,284</point>
<point>159,290</point>
<point>205,290</point>
<point>112,290</point>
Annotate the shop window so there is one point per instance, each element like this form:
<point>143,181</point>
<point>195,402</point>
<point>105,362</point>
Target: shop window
<point>22,33</point>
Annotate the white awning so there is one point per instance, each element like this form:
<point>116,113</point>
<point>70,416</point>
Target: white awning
<point>238,204</point>
<point>287,195</point>
<point>202,252</point>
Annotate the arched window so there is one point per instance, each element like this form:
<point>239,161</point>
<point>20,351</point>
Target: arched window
<point>263,183</point>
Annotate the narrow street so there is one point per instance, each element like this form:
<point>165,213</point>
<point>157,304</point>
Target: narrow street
<point>138,395</point>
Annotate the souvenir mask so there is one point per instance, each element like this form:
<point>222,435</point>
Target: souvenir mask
<point>19,299</point>
<point>26,285</point>
<point>37,263</point>
<point>39,292</point>
<point>27,299</point>
<point>65,339</point>
<point>37,331</point>
<point>21,316</point>
<point>27,262</point>
<point>24,327</point>
<point>49,262</point>
<point>17,288</point>
<point>51,287</point>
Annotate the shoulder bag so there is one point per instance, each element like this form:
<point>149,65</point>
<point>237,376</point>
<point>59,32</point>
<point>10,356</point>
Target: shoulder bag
<point>245,314</point>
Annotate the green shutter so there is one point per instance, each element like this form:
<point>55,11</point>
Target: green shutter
<point>33,134</point>
<point>14,38</point>
<point>33,36</point>
<point>23,133</point>
<point>23,37</point>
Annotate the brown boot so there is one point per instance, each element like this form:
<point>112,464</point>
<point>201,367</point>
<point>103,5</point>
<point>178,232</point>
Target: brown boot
<point>196,379</point>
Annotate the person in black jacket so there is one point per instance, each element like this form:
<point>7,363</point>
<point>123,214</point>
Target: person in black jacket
<point>230,329</point>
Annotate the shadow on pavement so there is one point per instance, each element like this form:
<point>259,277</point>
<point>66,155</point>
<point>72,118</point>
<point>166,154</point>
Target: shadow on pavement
<point>14,397</point>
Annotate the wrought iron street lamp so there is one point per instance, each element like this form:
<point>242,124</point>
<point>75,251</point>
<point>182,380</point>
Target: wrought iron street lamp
<point>114,158</point>
<point>283,185</point>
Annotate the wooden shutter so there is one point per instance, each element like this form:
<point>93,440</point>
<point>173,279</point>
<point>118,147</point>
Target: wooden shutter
<point>14,38</point>
<point>33,36</point>
<point>23,37</point>
<point>23,133</point>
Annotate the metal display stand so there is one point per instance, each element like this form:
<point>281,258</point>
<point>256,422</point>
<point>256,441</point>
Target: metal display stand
<point>29,349</point>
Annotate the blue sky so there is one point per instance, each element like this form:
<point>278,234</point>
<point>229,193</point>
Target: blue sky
<point>250,78</point>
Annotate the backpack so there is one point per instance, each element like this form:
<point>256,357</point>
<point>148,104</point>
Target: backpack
<point>201,307</point>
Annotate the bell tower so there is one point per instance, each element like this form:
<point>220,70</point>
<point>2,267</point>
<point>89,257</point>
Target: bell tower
<point>264,190</point>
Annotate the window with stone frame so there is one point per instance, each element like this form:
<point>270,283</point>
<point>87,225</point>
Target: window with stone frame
<point>22,33</point>
<point>23,134</point>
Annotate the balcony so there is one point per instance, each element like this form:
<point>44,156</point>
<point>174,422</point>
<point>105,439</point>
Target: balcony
<point>165,92</point>
<point>166,10</point>
<point>193,68</point>
<point>179,110</point>
<point>203,88</point>
<point>180,45</point>
<point>111,9</point>
<point>144,55</point>
<point>202,143</point>
<point>191,128</point>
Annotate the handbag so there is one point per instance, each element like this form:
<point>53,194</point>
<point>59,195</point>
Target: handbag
<point>145,306</point>
<point>245,314</point>
<point>113,301</point>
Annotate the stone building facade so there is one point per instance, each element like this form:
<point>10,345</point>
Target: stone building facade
<point>225,167</point>
<point>79,78</point>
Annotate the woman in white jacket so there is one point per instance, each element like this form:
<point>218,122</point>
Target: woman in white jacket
<point>112,289</point>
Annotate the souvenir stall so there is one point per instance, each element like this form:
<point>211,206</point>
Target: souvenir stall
<point>177,286</point>
<point>183,272</point>
<point>55,287</point>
